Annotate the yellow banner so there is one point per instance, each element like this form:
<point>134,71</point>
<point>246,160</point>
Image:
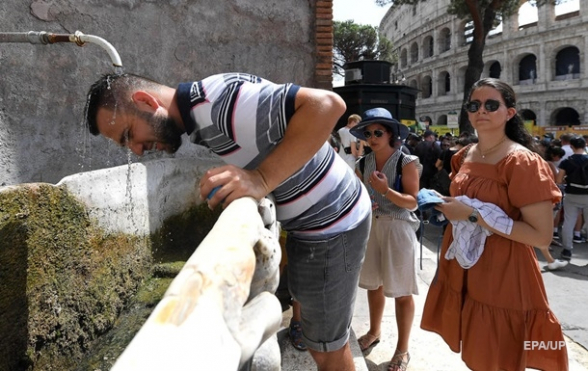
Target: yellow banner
<point>442,130</point>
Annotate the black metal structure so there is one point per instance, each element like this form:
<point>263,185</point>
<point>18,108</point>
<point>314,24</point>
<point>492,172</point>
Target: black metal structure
<point>367,85</point>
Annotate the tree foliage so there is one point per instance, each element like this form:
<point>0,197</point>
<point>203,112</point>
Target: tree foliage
<point>485,14</point>
<point>355,42</point>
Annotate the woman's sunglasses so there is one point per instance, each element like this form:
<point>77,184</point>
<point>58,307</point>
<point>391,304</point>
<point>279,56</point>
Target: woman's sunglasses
<point>377,133</point>
<point>490,105</point>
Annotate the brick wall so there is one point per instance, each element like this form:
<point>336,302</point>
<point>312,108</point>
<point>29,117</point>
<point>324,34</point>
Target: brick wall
<point>324,44</point>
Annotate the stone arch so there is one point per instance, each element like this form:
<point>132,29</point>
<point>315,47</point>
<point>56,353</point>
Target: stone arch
<point>444,40</point>
<point>403,58</point>
<point>413,83</point>
<point>528,115</point>
<point>428,46</point>
<point>493,69</point>
<point>527,69</point>
<point>567,63</point>
<point>565,116</point>
<point>444,83</point>
<point>427,86</point>
<point>426,119</point>
<point>414,53</point>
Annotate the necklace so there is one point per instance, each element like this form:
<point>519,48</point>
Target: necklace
<point>491,149</point>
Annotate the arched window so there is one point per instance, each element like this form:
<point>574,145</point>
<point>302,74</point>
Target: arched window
<point>528,115</point>
<point>444,40</point>
<point>566,117</point>
<point>428,47</point>
<point>444,83</point>
<point>567,64</point>
<point>427,87</point>
<point>414,53</point>
<point>528,70</point>
<point>494,70</point>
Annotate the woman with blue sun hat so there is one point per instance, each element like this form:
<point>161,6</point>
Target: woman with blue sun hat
<point>389,268</point>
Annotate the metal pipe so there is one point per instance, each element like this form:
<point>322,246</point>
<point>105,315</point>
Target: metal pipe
<point>78,38</point>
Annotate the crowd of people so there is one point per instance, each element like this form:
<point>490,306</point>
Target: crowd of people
<point>351,219</point>
<point>435,151</point>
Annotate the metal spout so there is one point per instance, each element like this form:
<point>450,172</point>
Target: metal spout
<point>78,38</point>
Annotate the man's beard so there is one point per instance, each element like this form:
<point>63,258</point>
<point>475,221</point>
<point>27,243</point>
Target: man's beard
<point>167,131</point>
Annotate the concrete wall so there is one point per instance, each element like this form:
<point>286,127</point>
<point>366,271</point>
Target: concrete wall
<point>43,88</point>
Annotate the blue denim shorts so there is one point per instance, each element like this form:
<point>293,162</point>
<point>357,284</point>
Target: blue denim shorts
<point>323,277</point>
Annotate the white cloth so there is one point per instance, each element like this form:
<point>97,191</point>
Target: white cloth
<point>469,238</point>
<point>568,152</point>
<point>347,140</point>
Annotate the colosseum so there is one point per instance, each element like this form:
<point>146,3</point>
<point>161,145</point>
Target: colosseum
<point>543,58</point>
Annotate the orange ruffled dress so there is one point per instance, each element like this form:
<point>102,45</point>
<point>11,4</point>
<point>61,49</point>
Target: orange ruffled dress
<point>493,311</point>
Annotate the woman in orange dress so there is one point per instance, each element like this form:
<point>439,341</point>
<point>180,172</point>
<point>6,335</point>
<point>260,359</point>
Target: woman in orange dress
<point>496,312</point>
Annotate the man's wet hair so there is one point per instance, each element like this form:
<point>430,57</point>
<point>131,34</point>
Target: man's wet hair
<point>113,92</point>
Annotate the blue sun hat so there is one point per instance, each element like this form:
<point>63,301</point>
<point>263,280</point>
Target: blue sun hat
<point>379,116</point>
<point>426,200</point>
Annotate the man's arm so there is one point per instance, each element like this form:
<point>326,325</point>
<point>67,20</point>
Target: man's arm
<point>315,116</point>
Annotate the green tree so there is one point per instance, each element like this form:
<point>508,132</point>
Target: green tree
<point>485,14</point>
<point>355,42</point>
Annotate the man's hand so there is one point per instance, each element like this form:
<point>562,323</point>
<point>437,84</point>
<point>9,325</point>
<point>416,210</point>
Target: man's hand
<point>234,183</point>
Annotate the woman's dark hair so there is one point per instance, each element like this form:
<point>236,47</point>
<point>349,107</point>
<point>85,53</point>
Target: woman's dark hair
<point>394,139</point>
<point>464,141</point>
<point>394,135</point>
<point>335,141</point>
<point>554,151</point>
<point>515,129</point>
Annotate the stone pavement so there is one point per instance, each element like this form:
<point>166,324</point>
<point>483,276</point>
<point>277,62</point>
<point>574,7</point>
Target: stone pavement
<point>428,351</point>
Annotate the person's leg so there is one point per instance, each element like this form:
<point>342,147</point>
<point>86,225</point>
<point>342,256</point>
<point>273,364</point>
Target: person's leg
<point>578,228</point>
<point>323,276</point>
<point>295,311</point>
<point>556,223</point>
<point>571,211</point>
<point>584,212</point>
<point>338,360</point>
<point>404,317</point>
<point>376,303</point>
<point>404,307</point>
<point>371,280</point>
<point>295,330</point>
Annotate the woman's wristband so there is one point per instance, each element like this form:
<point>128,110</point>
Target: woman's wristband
<point>385,193</point>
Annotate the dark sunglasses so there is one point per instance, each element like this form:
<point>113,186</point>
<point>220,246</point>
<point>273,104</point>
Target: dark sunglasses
<point>377,133</point>
<point>490,105</point>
